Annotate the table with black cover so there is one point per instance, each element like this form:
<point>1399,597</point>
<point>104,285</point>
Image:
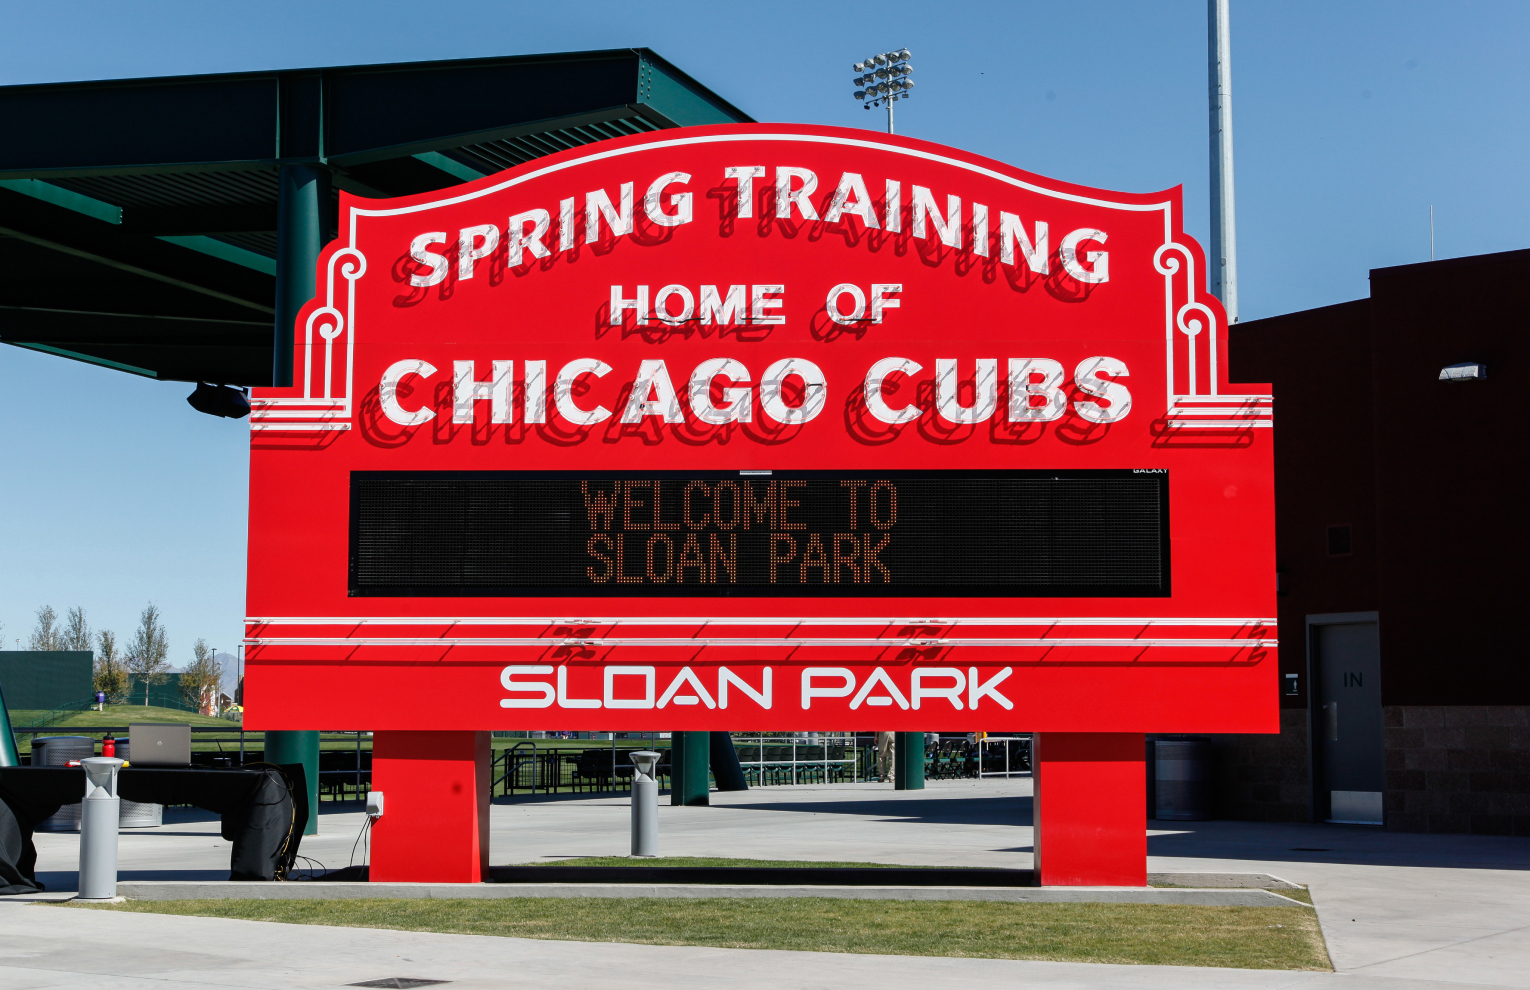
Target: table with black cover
<point>262,807</point>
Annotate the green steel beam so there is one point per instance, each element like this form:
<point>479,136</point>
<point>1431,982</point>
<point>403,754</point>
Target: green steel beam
<point>449,165</point>
<point>680,98</point>
<point>84,358</point>
<point>690,753</point>
<point>304,199</point>
<point>223,251</point>
<point>908,761</point>
<point>9,756</point>
<point>298,753</point>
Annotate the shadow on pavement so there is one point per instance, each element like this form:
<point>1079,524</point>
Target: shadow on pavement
<point>1352,844</point>
<point>1007,810</point>
<point>69,879</point>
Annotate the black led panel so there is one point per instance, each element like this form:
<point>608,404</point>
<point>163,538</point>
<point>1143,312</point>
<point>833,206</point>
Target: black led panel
<point>788,533</point>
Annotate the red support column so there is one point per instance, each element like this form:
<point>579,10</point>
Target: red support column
<point>1090,816</point>
<point>435,823</point>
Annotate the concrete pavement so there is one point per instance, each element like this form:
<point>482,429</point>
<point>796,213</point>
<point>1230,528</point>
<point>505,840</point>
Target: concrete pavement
<point>56,948</point>
<point>1454,909</point>
<point>190,890</point>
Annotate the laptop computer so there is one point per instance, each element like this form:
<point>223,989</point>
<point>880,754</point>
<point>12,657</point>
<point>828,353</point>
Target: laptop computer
<point>159,744</point>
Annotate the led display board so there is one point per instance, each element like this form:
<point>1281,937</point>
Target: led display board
<point>762,427</point>
<point>759,534</point>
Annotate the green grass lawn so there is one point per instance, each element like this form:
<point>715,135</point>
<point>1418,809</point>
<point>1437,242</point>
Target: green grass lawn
<point>120,715</point>
<point>1151,934</point>
<point>705,861</point>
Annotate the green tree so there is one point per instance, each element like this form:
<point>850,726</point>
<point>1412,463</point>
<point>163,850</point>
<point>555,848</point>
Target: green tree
<point>111,676</point>
<point>76,633</point>
<point>200,677</point>
<point>46,635</point>
<point>148,649</point>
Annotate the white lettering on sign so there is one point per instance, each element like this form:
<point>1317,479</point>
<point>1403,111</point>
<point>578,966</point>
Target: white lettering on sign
<point>815,391</point>
<point>952,692</point>
<point>723,310</point>
<point>669,202</point>
<point>387,392</point>
<point>877,377</point>
<point>520,241</point>
<point>1110,399</point>
<point>792,391</point>
<point>597,205</point>
<point>679,202</point>
<point>789,194</point>
<point>1068,251</point>
<point>736,407</point>
<point>563,391</point>
<point>851,184</point>
<point>633,686</point>
<point>985,392</point>
<point>880,302</point>
<point>978,690</point>
<point>618,688</point>
<point>676,304</point>
<point>507,678</point>
<point>653,394</point>
<point>744,175</point>
<point>1034,392</point>
<point>467,391</point>
<point>948,225</point>
<point>762,297</point>
<point>474,243</point>
<point>419,250</point>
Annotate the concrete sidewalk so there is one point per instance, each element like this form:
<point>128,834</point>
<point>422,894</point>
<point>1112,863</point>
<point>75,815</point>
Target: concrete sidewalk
<point>1438,907</point>
<point>44,947</point>
<point>187,890</point>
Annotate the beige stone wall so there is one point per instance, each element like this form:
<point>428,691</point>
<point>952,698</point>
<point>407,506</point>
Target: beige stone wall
<point>1458,769</point>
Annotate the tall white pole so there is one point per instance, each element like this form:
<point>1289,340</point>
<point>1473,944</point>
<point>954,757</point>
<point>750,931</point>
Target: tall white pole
<point>889,115</point>
<point>1224,237</point>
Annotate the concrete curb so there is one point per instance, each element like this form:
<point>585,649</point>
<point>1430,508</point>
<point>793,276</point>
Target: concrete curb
<point>176,890</point>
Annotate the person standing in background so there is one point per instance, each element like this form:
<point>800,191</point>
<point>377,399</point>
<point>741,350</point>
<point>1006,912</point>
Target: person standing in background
<point>885,757</point>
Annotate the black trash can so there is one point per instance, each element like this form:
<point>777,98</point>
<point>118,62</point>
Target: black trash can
<point>1180,780</point>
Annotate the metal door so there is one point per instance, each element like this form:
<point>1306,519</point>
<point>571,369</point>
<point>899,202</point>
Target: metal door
<point>1351,765</point>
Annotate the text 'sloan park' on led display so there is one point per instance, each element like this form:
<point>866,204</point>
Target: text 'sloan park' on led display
<point>763,427</point>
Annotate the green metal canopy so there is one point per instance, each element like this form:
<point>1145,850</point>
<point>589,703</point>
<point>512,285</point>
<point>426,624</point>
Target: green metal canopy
<point>168,227</point>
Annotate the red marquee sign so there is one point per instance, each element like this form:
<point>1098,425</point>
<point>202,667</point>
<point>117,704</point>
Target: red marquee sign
<point>763,427</point>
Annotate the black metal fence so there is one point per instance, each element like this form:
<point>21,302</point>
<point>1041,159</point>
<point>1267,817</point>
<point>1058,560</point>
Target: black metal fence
<point>556,766</point>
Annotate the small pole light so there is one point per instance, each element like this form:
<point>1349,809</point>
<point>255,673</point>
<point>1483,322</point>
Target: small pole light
<point>645,804</point>
<point>882,80</point>
<point>100,812</point>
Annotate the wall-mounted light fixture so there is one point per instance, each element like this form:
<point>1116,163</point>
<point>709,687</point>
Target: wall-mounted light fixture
<point>1466,371</point>
<point>220,400</point>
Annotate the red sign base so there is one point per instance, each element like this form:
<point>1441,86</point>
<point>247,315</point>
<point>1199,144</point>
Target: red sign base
<point>1091,809</point>
<point>435,823</point>
<point>1090,817</point>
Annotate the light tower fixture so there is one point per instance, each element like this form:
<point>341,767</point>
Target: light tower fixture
<point>884,79</point>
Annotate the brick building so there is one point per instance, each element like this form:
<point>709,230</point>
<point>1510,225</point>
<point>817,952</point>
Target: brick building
<point>1402,536</point>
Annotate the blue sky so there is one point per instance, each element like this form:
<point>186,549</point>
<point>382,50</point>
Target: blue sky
<point>1351,119</point>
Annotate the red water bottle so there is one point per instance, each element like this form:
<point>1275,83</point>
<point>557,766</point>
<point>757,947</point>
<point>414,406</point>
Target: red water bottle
<point>108,746</point>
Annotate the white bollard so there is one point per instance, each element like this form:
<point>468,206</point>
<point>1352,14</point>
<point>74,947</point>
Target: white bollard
<point>99,814</point>
<point>645,804</point>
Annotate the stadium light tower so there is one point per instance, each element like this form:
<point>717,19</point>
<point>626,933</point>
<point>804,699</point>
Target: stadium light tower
<point>884,79</point>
